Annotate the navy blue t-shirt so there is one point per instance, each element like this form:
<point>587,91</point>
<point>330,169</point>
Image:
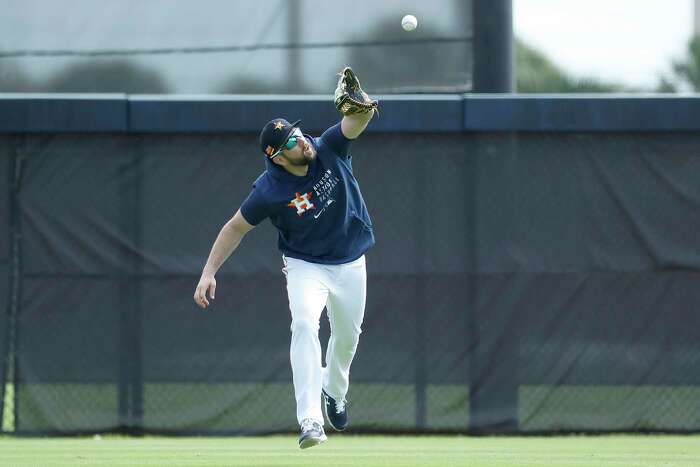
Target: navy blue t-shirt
<point>321,217</point>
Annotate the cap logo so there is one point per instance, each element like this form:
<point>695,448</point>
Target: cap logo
<point>279,125</point>
<point>269,150</point>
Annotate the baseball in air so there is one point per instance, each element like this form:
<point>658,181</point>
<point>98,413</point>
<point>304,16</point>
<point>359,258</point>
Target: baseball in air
<point>409,23</point>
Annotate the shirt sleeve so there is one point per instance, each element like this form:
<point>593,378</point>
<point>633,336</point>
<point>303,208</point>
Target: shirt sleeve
<point>336,140</point>
<point>255,209</point>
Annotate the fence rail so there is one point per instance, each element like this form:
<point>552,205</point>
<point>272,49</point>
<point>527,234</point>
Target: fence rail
<point>121,113</point>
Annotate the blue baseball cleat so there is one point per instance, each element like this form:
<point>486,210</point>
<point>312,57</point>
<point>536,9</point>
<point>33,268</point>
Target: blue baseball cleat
<point>312,434</point>
<point>336,412</point>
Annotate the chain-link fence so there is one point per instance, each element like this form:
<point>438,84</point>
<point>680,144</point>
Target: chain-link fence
<point>241,47</point>
<point>530,282</point>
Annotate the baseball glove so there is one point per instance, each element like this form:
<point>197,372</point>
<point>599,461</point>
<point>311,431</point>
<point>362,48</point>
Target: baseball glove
<point>349,97</point>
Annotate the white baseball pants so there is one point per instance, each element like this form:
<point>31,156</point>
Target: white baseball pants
<point>342,290</point>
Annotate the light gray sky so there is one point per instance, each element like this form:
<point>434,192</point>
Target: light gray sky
<point>626,41</point>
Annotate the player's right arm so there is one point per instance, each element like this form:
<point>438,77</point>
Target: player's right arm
<point>353,125</point>
<point>226,243</point>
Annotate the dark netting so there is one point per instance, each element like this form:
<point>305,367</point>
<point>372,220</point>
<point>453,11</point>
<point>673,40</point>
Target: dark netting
<point>6,403</point>
<point>520,282</point>
<point>241,47</point>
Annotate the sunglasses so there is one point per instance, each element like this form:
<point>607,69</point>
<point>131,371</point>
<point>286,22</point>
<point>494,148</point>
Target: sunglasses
<point>291,142</point>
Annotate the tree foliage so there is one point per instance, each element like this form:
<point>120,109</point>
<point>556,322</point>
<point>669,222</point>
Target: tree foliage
<point>686,71</point>
<point>121,76</point>
<point>536,73</point>
<point>14,79</point>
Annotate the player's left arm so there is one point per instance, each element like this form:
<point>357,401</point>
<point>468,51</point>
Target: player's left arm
<point>354,103</point>
<point>353,125</point>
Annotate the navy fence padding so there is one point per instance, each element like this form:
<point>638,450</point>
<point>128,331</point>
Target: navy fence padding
<point>63,113</point>
<point>522,282</point>
<point>593,113</point>
<point>438,113</point>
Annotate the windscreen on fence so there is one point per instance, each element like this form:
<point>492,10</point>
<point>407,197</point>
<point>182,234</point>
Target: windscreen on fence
<point>5,286</point>
<point>241,47</point>
<point>520,283</point>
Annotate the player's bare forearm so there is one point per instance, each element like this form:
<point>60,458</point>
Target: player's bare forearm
<point>353,125</point>
<point>226,243</point>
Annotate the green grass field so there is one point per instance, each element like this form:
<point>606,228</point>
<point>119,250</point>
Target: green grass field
<point>349,450</point>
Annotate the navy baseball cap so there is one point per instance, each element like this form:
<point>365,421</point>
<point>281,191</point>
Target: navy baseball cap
<point>274,134</point>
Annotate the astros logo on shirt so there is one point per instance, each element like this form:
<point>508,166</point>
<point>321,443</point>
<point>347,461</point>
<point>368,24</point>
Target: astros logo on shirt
<point>302,203</point>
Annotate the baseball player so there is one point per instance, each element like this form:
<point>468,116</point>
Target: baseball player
<point>310,195</point>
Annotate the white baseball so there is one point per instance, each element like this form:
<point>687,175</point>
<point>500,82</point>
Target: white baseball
<point>409,23</point>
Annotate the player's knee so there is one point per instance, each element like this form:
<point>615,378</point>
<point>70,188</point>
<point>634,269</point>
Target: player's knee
<point>353,334</point>
<point>347,342</point>
<point>348,349</point>
<point>304,326</point>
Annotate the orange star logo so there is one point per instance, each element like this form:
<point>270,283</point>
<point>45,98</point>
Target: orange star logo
<point>279,125</point>
<point>302,203</point>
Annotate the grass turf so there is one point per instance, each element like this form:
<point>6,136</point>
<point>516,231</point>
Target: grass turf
<point>349,450</point>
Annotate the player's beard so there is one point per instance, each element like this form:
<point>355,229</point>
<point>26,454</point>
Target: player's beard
<point>308,155</point>
<point>300,163</point>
